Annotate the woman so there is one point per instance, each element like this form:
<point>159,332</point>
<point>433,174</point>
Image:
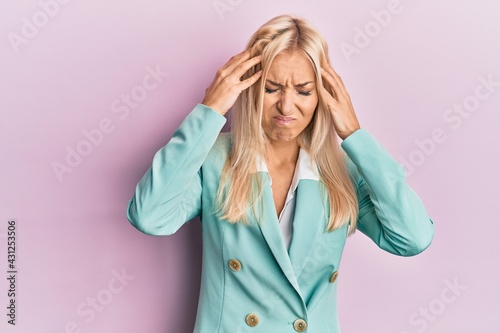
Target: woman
<point>276,196</point>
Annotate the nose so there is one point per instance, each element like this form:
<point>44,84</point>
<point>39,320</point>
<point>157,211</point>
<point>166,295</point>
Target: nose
<point>285,103</point>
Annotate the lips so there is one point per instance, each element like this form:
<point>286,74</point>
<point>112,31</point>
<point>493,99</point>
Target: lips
<point>284,120</point>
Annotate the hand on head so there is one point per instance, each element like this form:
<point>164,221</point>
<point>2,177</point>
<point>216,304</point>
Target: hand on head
<point>339,103</point>
<point>227,85</point>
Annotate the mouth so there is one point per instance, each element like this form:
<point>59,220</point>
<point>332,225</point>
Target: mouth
<point>284,120</point>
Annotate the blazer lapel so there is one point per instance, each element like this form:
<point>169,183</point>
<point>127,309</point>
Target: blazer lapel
<point>272,233</point>
<point>309,222</point>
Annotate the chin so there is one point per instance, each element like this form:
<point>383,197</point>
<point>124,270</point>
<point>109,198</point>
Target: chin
<point>284,136</point>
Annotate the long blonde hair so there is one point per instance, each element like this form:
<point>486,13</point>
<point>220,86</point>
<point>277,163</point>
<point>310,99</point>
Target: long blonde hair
<point>236,192</point>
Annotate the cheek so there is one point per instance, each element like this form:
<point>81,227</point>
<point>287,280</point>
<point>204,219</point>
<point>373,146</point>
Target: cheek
<point>309,105</point>
<point>268,110</point>
<point>268,101</point>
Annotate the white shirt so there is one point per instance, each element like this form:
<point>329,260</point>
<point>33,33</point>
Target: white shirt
<point>303,170</point>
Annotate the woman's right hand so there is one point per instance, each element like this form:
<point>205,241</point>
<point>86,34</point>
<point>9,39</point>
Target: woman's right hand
<point>227,85</point>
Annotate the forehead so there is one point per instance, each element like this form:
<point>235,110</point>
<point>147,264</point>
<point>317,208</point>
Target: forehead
<point>295,66</point>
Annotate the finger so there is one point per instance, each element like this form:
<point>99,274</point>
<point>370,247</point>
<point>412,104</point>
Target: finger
<point>235,61</point>
<point>333,101</point>
<point>337,78</point>
<point>337,92</point>
<point>250,81</point>
<point>244,67</point>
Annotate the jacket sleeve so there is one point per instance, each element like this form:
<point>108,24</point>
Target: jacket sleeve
<point>390,212</point>
<point>169,194</point>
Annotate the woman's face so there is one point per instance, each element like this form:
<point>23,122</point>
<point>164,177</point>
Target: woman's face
<point>290,97</point>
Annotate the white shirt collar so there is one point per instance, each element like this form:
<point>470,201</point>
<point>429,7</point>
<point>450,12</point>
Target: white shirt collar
<point>303,169</point>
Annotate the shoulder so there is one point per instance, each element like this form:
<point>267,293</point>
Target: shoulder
<point>365,156</point>
<point>222,144</point>
<point>220,150</point>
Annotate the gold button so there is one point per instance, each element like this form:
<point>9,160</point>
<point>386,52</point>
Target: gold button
<point>300,325</point>
<point>252,319</point>
<point>333,277</point>
<point>234,264</point>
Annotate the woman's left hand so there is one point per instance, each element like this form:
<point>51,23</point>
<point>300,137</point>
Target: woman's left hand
<point>339,103</point>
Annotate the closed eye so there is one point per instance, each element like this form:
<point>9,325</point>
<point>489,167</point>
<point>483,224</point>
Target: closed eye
<point>303,93</point>
<point>270,91</point>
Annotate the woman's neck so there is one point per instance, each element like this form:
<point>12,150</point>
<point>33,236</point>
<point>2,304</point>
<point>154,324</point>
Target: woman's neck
<point>282,153</point>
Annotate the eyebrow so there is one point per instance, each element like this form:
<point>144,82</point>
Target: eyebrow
<point>297,85</point>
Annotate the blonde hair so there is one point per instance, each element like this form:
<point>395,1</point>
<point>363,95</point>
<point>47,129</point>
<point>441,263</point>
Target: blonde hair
<point>237,192</point>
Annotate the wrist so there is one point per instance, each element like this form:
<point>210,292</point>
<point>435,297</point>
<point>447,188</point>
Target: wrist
<point>346,134</point>
<point>213,107</point>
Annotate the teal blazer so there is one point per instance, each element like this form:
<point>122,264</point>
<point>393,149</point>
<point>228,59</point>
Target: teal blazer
<point>249,282</point>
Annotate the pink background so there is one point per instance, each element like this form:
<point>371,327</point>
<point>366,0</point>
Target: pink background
<point>69,74</point>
